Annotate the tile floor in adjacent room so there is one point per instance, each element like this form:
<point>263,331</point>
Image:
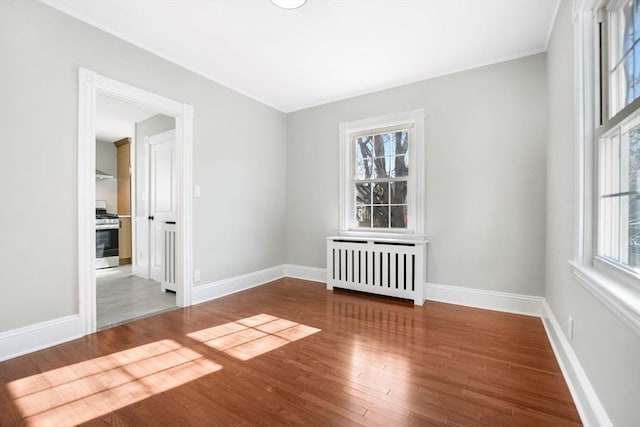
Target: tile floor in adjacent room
<point>122,297</point>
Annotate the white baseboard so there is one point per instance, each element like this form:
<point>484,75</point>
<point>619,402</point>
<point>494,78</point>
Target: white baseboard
<point>490,300</point>
<point>235,284</point>
<point>140,271</point>
<point>17,342</point>
<point>20,341</point>
<point>312,274</point>
<point>591,411</point>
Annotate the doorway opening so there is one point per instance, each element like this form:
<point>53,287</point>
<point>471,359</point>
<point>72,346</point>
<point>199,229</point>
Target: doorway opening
<point>132,183</point>
<point>148,176</point>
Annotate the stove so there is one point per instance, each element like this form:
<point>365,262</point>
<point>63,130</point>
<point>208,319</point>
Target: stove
<point>107,230</point>
<point>104,218</point>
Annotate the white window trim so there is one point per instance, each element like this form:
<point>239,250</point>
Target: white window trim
<point>415,195</point>
<point>614,289</point>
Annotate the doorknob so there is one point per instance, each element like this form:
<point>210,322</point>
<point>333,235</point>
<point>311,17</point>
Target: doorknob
<point>151,217</point>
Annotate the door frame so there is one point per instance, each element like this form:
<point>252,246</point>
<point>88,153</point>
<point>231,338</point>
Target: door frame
<point>90,84</point>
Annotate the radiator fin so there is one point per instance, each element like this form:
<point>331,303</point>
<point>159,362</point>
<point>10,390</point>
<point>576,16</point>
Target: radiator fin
<point>169,274</point>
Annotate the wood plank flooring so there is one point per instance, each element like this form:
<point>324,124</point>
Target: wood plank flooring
<point>292,353</point>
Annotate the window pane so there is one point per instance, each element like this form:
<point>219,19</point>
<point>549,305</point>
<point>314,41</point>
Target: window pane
<point>364,148</point>
<point>401,142</point>
<point>636,21</point>
<point>634,231</point>
<point>634,159</point>
<point>363,216</point>
<point>398,192</point>
<point>381,216</point>
<point>608,228</point>
<point>381,168</point>
<point>635,81</point>
<point>634,199</point>
<point>363,193</point>
<point>625,65</point>
<point>627,85</point>
<point>381,193</point>
<point>389,145</point>
<point>609,192</point>
<point>619,201</point>
<point>399,216</point>
<point>619,88</point>
<point>627,26</point>
<point>399,166</point>
<point>379,145</point>
<point>364,169</point>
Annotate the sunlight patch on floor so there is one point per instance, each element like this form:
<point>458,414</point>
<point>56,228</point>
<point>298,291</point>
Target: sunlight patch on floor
<point>83,391</point>
<point>250,337</point>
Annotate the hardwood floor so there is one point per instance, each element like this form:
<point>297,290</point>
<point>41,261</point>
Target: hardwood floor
<point>293,353</point>
<point>122,297</point>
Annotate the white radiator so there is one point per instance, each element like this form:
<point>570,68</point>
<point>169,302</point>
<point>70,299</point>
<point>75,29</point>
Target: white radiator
<point>169,262</point>
<point>395,268</point>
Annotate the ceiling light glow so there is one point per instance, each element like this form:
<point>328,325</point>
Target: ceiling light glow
<point>289,4</point>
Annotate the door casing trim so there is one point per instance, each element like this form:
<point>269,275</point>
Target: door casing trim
<point>90,84</point>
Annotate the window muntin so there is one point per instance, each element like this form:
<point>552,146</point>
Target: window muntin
<point>381,179</point>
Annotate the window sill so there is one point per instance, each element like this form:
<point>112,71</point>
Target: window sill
<point>622,299</point>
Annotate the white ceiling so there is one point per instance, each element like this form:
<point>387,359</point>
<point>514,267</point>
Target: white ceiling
<point>327,49</point>
<point>115,119</point>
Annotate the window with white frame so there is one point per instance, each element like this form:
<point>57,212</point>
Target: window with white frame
<point>382,171</point>
<point>608,245</point>
<point>617,145</point>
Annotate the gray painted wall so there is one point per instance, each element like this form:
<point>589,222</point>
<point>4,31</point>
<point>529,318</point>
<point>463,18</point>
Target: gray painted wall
<point>485,173</point>
<point>606,348</point>
<point>239,160</point>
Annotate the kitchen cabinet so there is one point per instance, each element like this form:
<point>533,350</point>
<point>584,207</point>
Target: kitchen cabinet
<point>124,240</point>
<point>124,175</point>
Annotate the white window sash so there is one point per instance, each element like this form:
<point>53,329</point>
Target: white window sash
<point>616,288</point>
<point>412,120</point>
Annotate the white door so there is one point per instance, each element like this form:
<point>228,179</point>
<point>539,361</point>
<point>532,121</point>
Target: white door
<point>162,196</point>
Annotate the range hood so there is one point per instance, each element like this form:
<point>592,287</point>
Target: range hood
<point>103,175</point>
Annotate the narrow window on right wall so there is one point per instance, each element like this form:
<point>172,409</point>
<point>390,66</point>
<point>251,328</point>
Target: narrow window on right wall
<point>607,256</point>
<point>617,139</point>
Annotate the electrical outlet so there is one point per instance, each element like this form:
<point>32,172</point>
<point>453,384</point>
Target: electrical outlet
<point>196,191</point>
<point>570,328</point>
<point>196,275</point>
